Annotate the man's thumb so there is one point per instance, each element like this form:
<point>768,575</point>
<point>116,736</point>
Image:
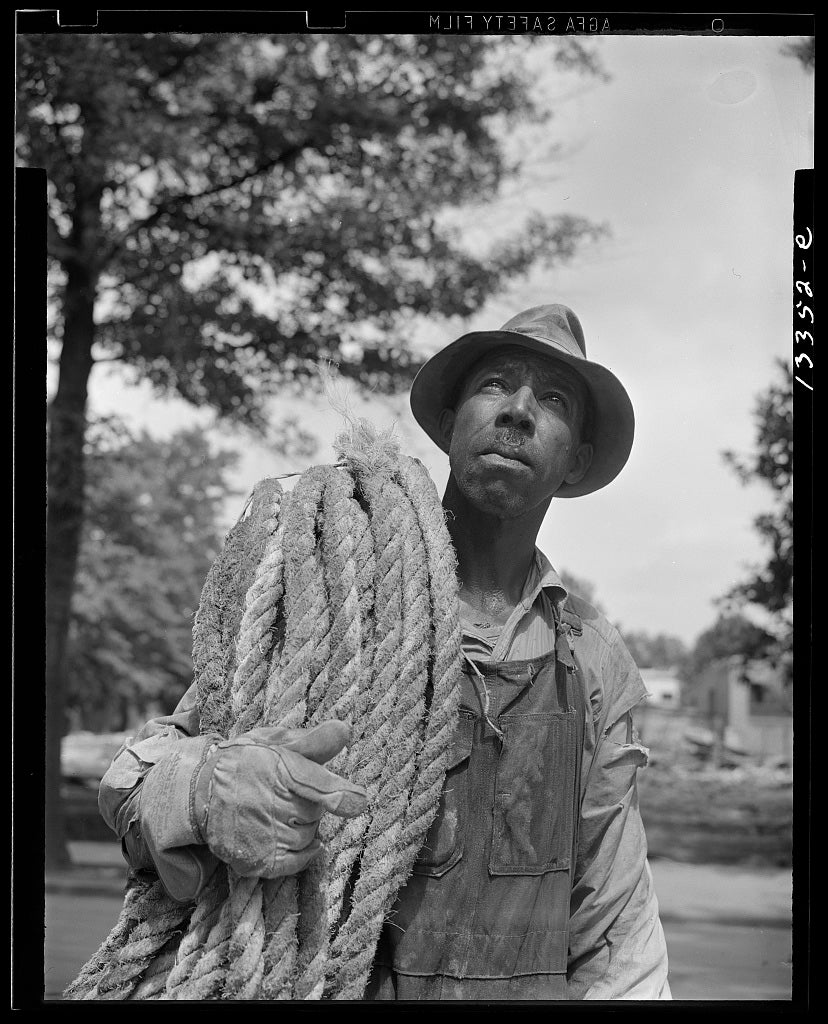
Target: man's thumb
<point>320,743</point>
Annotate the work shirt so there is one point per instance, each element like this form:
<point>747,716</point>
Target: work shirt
<point>616,947</point>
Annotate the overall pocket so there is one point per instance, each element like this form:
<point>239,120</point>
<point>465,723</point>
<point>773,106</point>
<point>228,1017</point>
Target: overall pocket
<point>534,802</point>
<point>443,846</point>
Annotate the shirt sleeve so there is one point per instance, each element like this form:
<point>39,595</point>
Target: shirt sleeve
<point>617,948</point>
<point>183,870</point>
<point>118,792</point>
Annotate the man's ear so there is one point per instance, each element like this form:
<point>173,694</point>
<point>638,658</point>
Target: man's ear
<point>446,424</point>
<point>581,462</point>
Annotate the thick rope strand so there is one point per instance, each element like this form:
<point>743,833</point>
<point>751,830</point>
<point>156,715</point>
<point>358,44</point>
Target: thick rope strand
<point>254,650</point>
<point>446,648</point>
<point>153,982</point>
<point>145,940</point>
<point>205,916</point>
<point>256,638</point>
<point>287,705</point>
<point>319,902</point>
<point>379,880</point>
<point>343,837</point>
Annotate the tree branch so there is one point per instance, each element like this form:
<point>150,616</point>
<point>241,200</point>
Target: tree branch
<point>285,157</point>
<point>183,198</point>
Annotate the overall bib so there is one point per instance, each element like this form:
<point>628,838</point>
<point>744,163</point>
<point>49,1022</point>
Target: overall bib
<point>489,896</point>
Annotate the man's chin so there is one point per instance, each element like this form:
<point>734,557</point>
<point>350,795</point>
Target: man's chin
<point>502,494</point>
<point>499,499</point>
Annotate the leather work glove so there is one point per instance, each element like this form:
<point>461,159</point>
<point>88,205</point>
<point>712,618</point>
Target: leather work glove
<point>254,800</point>
<point>259,797</point>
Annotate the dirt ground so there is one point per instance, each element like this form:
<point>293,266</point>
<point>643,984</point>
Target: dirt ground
<point>701,815</point>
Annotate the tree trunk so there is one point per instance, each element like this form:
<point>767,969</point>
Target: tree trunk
<point>64,521</point>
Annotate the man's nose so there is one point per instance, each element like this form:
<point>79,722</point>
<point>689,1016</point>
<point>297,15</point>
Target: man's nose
<point>518,410</point>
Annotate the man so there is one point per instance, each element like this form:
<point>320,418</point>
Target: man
<point>533,882</point>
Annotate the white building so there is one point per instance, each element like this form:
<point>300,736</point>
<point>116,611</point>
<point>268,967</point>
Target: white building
<point>663,686</point>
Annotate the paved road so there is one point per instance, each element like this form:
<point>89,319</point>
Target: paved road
<point>726,893</point>
<point>728,931</point>
<point>76,924</point>
<point>716,961</point>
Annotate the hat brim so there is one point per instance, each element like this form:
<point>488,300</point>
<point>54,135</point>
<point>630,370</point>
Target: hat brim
<point>435,388</point>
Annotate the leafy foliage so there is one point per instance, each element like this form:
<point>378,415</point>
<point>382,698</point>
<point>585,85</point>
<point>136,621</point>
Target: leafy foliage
<point>802,50</point>
<point>151,534</point>
<point>655,650</point>
<point>730,635</point>
<point>648,651</point>
<point>268,202</point>
<point>582,588</point>
<point>770,588</point>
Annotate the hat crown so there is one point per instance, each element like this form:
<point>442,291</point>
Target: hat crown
<point>550,322</point>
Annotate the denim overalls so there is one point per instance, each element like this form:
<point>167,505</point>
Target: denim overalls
<point>489,896</point>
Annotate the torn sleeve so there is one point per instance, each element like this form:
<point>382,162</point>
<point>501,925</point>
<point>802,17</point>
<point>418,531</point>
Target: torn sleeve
<point>617,948</point>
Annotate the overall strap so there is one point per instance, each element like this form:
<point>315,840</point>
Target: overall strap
<point>572,620</point>
<point>568,626</point>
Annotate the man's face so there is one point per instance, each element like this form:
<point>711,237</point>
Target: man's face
<point>515,432</point>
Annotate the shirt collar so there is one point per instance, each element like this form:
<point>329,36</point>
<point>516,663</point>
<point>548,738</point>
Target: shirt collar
<point>543,576</point>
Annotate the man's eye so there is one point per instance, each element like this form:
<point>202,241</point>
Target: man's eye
<point>494,382</point>
<point>556,398</point>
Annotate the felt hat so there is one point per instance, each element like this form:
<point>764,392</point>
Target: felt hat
<point>552,330</point>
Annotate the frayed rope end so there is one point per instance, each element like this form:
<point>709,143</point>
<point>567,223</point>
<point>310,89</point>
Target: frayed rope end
<point>365,448</point>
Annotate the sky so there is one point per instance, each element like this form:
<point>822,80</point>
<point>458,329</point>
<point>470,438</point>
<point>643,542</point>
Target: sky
<point>688,154</point>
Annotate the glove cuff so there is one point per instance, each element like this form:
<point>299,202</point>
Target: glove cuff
<point>165,810</point>
<point>200,784</point>
<point>166,818</point>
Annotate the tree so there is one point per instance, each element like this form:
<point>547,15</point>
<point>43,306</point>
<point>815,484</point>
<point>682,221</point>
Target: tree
<point>655,650</point>
<point>584,589</point>
<point>768,591</point>
<point>730,636</point>
<point>803,51</point>
<point>648,651</point>
<point>226,211</point>
<point>150,535</point>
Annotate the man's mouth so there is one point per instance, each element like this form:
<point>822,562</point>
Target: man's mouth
<point>510,452</point>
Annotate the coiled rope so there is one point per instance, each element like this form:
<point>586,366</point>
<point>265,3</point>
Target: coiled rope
<point>335,600</point>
